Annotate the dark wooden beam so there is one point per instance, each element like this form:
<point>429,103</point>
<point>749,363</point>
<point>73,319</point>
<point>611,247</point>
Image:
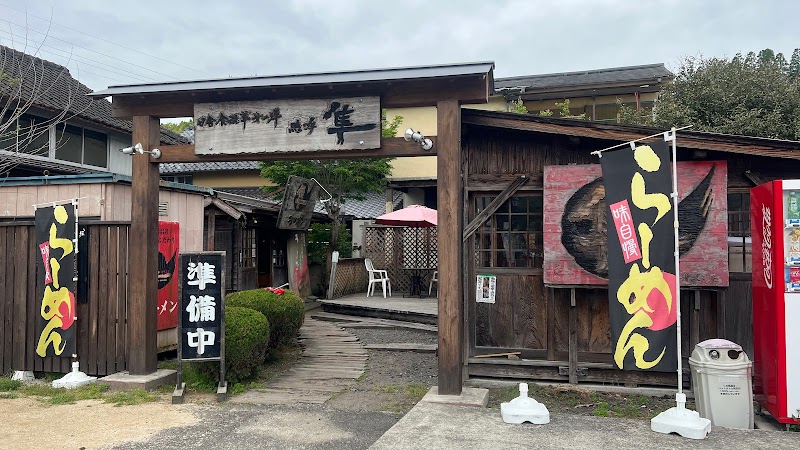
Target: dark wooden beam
<point>390,148</point>
<point>448,170</point>
<point>143,259</point>
<point>211,229</point>
<point>492,207</point>
<point>623,133</point>
<point>394,94</point>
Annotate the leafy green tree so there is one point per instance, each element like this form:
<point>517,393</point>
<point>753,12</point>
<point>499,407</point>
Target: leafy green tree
<point>179,127</point>
<point>564,111</point>
<point>751,95</point>
<point>343,178</point>
<point>517,106</point>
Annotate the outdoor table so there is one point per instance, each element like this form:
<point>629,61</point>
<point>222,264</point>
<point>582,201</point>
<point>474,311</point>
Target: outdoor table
<point>417,278</point>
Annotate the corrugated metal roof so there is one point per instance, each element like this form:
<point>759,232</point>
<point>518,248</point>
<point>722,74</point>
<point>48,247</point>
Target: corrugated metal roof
<point>208,166</point>
<point>355,76</point>
<point>97,178</point>
<point>585,77</point>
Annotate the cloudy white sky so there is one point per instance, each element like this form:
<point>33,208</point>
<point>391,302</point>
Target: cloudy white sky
<point>122,42</point>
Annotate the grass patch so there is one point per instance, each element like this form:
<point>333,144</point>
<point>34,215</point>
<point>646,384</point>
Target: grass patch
<point>10,395</point>
<point>134,397</point>
<point>416,391</point>
<point>577,400</point>
<point>7,384</point>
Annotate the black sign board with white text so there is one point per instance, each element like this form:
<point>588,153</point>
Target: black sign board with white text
<point>201,327</point>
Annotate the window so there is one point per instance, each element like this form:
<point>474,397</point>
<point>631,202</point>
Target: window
<point>249,247</point>
<point>82,146</point>
<point>28,134</point>
<point>512,237</point>
<point>185,179</point>
<point>32,135</point>
<point>739,247</point>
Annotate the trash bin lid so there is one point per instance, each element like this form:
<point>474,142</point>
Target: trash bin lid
<point>719,343</point>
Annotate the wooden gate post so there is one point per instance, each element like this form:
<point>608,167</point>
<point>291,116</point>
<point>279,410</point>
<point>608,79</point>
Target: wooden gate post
<point>448,171</point>
<point>143,260</point>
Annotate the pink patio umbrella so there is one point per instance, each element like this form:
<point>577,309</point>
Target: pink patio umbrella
<point>410,216</point>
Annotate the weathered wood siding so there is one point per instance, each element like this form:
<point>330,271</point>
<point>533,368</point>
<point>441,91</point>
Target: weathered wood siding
<point>102,317</point>
<point>554,337</point>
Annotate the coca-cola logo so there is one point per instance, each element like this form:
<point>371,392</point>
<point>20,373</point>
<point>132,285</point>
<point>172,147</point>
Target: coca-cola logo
<point>766,244</point>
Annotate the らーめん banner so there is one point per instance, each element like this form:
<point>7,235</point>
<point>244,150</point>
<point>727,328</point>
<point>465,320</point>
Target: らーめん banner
<point>55,237</point>
<point>641,259</point>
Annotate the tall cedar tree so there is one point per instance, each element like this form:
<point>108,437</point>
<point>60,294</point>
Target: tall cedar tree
<point>752,95</point>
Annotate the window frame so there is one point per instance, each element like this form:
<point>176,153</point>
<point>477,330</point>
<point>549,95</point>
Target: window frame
<point>487,238</point>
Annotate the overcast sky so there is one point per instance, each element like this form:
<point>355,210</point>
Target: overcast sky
<point>123,42</point>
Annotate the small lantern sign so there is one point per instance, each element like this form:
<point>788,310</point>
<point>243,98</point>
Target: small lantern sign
<point>201,327</point>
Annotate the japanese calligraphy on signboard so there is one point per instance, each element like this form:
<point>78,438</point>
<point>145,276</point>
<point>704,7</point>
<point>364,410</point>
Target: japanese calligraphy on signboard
<point>168,246</point>
<point>270,126</point>
<point>55,237</point>
<point>202,309</point>
<point>299,199</point>
<point>641,260</point>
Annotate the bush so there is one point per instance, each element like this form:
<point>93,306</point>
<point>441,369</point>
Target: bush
<point>284,312</point>
<point>246,341</point>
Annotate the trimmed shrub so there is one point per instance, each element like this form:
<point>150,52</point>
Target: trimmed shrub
<point>246,341</point>
<point>284,312</point>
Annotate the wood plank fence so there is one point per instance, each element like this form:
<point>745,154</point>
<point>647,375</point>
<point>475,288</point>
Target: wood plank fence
<point>102,308</point>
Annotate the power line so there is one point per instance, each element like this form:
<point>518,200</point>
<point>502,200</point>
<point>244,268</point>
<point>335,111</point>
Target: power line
<point>105,40</point>
<point>74,58</point>
<point>26,28</point>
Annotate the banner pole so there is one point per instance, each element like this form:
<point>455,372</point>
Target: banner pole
<point>672,134</point>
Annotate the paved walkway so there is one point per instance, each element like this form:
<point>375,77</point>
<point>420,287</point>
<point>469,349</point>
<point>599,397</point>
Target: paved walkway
<point>332,360</point>
<point>435,426</point>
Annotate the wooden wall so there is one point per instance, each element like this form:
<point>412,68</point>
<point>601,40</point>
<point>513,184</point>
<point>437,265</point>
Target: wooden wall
<point>108,202</point>
<point>559,341</point>
<point>101,332</point>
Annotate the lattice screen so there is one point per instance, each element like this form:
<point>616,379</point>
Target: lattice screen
<point>396,249</point>
<point>351,277</point>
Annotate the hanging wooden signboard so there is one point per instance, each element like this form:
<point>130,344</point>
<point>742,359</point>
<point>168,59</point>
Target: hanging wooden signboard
<point>299,199</point>
<point>277,126</point>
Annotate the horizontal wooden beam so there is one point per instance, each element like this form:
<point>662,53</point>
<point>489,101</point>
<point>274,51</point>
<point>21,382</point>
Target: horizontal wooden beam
<point>393,94</point>
<point>390,148</point>
<point>613,133</point>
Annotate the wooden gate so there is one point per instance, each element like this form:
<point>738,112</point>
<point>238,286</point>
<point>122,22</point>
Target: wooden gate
<point>102,312</point>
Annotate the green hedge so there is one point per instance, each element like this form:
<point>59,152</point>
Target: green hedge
<point>284,312</point>
<point>246,341</point>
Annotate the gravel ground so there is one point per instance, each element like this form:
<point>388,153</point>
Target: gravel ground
<point>394,381</point>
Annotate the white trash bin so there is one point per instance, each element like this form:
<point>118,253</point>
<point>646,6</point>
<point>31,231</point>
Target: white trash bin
<point>723,383</point>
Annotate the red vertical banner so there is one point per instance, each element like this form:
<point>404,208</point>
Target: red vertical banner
<point>168,250</point>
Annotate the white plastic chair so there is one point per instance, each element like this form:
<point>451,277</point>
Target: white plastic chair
<point>377,276</point>
<point>434,279</point>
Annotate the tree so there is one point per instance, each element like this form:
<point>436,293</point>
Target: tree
<point>752,95</point>
<point>564,111</point>
<point>517,106</point>
<point>179,127</point>
<point>25,81</point>
<point>343,178</point>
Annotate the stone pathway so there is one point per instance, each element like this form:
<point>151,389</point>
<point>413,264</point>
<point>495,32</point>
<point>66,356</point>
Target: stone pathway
<point>332,360</point>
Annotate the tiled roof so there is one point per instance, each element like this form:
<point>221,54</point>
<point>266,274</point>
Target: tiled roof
<point>585,78</point>
<point>54,89</point>
<point>208,166</point>
<point>373,205</point>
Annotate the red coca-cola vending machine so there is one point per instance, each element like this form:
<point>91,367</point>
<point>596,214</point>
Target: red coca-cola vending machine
<point>775,230</point>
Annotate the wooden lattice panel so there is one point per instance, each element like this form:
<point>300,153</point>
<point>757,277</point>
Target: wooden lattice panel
<point>398,249</point>
<point>351,277</point>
